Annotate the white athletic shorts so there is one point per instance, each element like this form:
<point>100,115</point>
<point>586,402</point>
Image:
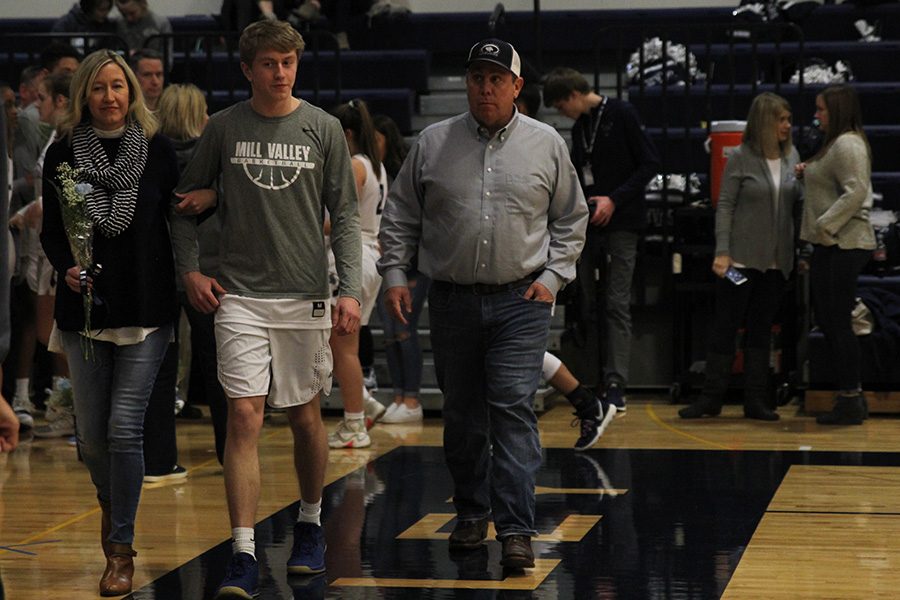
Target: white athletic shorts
<point>371,281</point>
<point>290,366</point>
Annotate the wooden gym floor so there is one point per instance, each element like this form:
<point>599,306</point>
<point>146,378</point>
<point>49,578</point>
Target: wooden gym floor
<point>659,508</point>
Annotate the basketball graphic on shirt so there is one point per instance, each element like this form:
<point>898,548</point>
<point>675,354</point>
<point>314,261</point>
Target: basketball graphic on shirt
<point>272,165</point>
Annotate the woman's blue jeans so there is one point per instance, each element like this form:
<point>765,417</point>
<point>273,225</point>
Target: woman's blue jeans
<point>111,388</point>
<point>401,342</point>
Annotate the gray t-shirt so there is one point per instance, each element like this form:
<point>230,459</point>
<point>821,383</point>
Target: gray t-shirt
<point>278,176</point>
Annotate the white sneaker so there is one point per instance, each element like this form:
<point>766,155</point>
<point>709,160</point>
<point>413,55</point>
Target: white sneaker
<point>23,408</point>
<point>350,434</point>
<point>374,410</point>
<point>60,423</point>
<point>403,414</point>
<point>391,409</point>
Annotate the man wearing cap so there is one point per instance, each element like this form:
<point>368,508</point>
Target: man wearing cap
<point>491,203</point>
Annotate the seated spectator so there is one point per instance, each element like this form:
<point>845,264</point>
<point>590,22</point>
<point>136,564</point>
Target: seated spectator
<point>148,66</point>
<point>87,16</point>
<point>235,15</point>
<point>59,57</point>
<point>139,23</point>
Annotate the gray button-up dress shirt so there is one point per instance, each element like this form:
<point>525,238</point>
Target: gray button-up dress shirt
<point>485,209</point>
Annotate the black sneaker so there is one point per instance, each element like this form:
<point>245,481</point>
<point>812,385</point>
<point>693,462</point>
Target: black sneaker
<point>615,396</point>
<point>241,578</point>
<point>177,473</point>
<point>592,427</point>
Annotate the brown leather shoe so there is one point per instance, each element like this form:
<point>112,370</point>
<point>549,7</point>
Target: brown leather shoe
<point>116,580</point>
<point>468,534</point>
<point>517,553</point>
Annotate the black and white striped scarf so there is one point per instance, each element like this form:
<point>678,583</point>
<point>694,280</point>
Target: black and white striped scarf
<point>112,201</point>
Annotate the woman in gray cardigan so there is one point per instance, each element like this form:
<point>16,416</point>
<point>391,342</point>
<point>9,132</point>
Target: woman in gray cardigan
<point>754,236</point>
<point>836,223</point>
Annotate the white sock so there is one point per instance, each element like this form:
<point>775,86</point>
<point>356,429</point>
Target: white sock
<point>310,512</point>
<point>354,416</point>
<point>242,540</point>
<point>22,387</point>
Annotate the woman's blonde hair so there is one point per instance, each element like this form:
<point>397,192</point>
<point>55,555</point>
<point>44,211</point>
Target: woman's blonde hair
<point>181,111</point>
<point>82,81</point>
<point>761,133</point>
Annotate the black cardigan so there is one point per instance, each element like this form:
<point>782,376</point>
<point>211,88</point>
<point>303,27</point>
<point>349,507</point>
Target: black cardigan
<point>137,285</point>
<point>623,161</point>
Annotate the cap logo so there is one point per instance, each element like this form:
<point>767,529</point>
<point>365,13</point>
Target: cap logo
<point>491,49</point>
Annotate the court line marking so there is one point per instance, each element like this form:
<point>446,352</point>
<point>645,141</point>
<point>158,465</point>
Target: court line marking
<point>783,511</point>
<point>656,419</point>
<point>530,580</point>
<point>96,510</point>
<point>15,547</point>
<point>573,528</point>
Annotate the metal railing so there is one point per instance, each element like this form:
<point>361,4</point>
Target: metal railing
<point>19,50</point>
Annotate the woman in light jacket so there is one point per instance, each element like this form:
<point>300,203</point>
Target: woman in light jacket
<point>755,236</point>
<point>836,223</point>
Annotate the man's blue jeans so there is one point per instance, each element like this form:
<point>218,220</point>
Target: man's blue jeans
<point>111,390</point>
<point>488,352</point>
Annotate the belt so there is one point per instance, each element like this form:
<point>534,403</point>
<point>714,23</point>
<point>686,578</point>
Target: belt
<point>483,289</point>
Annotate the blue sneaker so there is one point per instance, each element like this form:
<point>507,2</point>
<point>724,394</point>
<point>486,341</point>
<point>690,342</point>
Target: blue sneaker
<point>241,578</point>
<point>308,553</point>
<point>614,396</point>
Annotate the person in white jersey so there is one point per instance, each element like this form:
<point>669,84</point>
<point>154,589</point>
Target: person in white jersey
<point>371,188</point>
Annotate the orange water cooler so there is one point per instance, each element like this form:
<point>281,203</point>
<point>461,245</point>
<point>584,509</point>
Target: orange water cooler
<point>724,137</point>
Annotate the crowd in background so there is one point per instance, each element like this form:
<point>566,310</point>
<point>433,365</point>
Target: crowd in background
<point>134,137</point>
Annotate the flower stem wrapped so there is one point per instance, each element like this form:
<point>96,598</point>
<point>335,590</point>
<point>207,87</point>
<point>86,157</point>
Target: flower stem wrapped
<point>80,232</point>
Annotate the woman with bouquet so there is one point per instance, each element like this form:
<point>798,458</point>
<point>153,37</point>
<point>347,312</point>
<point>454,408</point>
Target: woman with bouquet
<point>107,185</point>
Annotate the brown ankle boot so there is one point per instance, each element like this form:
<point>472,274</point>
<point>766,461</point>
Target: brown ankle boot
<point>116,580</point>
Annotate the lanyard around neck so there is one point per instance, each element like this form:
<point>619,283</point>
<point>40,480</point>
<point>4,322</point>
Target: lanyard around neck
<point>595,122</point>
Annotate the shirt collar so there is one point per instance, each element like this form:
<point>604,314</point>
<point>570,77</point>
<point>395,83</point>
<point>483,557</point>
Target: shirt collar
<point>481,133</point>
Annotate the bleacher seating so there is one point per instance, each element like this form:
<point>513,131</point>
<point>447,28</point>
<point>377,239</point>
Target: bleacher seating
<point>394,64</point>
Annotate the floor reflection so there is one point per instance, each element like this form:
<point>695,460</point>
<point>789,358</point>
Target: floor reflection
<point>673,524</point>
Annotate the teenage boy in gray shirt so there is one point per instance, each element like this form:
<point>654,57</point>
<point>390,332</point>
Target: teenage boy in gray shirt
<point>282,163</point>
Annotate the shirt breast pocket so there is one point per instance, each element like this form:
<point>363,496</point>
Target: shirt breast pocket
<point>522,194</point>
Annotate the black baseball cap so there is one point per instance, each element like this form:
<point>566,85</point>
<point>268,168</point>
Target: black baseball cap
<point>498,52</point>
